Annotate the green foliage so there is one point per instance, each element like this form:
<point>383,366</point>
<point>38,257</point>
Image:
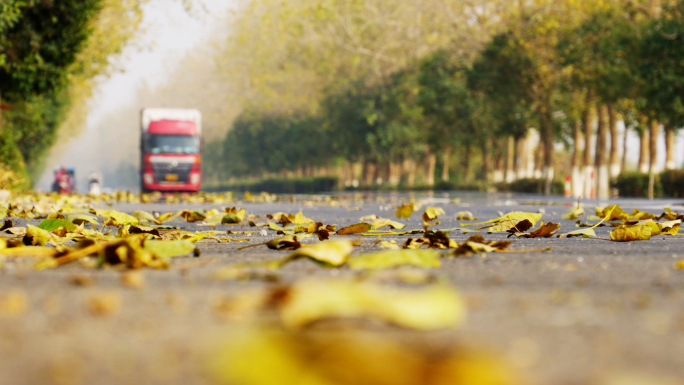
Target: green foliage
<point>40,44</point>
<point>10,13</point>
<point>50,53</point>
<point>666,184</point>
<point>273,144</point>
<point>635,184</point>
<point>535,186</point>
<point>281,185</point>
<point>12,164</point>
<point>504,74</point>
<point>548,62</point>
<point>395,120</point>
<point>447,102</point>
<point>672,182</point>
<point>660,65</point>
<point>33,124</point>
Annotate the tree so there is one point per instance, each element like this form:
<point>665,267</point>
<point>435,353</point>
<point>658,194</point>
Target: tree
<point>448,105</point>
<point>38,43</point>
<point>661,68</point>
<point>504,75</point>
<point>51,52</point>
<point>41,44</point>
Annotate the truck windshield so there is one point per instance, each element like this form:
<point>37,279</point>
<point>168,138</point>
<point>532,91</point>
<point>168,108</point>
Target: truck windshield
<point>171,144</point>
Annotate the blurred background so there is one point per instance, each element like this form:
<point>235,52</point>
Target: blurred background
<point>449,94</point>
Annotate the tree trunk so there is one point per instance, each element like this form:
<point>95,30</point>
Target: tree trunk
<point>497,161</point>
<point>346,174</point>
<point>614,143</point>
<point>446,158</point>
<point>384,173</point>
<point>538,161</point>
<point>601,164</point>
<point>576,173</point>
<point>357,169</point>
<point>499,165</point>
<point>669,148</point>
<point>510,159</point>
<point>521,157</point>
<point>486,159</point>
<point>653,157</point>
<point>395,173</point>
<point>588,164</point>
<point>409,166</point>
<point>369,173</point>
<point>547,140</point>
<point>465,164</point>
<point>653,146</point>
<point>624,149</point>
<point>643,144</point>
<point>430,162</point>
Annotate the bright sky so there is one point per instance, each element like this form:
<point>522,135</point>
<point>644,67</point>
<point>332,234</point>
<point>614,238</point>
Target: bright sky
<point>168,32</point>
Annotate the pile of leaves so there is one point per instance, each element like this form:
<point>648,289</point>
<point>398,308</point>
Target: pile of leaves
<point>635,226</point>
<point>110,237</point>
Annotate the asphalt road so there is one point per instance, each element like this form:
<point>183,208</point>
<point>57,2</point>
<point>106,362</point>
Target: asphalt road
<point>586,312</point>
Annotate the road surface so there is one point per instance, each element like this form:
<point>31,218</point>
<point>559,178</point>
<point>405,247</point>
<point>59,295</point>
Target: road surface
<point>586,312</point>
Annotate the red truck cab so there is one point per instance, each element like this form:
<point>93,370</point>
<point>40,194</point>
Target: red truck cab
<point>171,150</point>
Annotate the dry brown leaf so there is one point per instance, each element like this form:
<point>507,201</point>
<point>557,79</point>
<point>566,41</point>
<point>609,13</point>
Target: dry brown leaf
<point>627,233</point>
<point>355,229</point>
<point>544,231</point>
<point>405,211</point>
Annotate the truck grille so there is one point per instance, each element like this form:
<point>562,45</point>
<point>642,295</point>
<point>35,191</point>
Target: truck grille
<point>162,169</point>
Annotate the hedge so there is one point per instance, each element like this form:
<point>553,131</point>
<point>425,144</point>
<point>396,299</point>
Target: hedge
<point>635,184</point>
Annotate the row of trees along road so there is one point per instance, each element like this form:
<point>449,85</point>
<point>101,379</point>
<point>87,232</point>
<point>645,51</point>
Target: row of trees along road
<point>403,91</point>
<point>50,55</point>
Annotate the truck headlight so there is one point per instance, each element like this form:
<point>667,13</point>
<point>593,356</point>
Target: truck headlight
<point>194,178</point>
<point>148,178</point>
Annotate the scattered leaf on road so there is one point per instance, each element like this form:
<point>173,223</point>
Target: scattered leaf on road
<point>385,259</point>
<point>514,226</point>
<point>544,231</point>
<point>168,249</point>
<point>512,216</point>
<point>288,242</point>
<point>36,236</point>
<point>355,229</point>
<point>431,214</point>
<point>465,216</point>
<point>405,211</point>
<point>573,213</point>
<point>334,253</point>
<point>51,225</point>
<point>378,223</point>
<point>428,308</point>
<point>627,233</point>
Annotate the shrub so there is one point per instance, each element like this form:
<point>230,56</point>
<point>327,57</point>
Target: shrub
<point>635,185</point>
<point>9,179</point>
<point>672,183</point>
<point>283,185</point>
<point>535,186</point>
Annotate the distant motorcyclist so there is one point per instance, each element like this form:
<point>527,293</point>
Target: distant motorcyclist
<point>94,183</point>
<point>63,181</point>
